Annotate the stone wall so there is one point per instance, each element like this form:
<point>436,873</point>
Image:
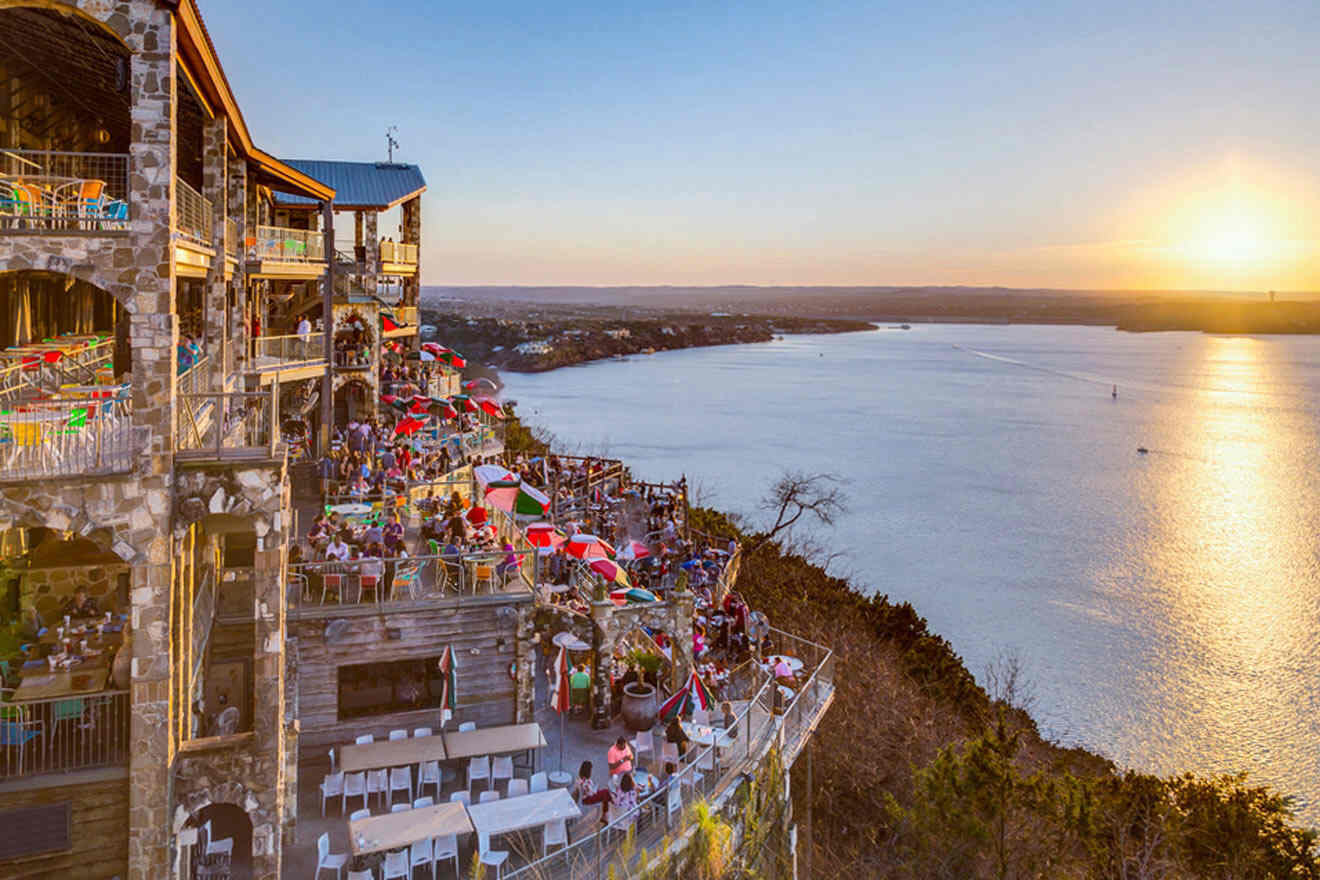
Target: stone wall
<point>47,589</point>
<point>612,623</point>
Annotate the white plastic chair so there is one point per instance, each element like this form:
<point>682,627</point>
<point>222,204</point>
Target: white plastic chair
<point>488,796</point>
<point>332,786</point>
<point>429,774</point>
<point>355,785</point>
<point>643,742</point>
<point>467,725</point>
<point>489,857</point>
<point>401,780</point>
<point>501,767</point>
<point>539,782</point>
<point>359,814</point>
<point>332,760</point>
<point>427,801</point>
<point>396,866</point>
<point>517,787</point>
<point>365,739</point>
<point>378,782</point>
<point>553,834</point>
<point>398,734</point>
<point>326,860</point>
<point>362,875</point>
<point>478,768</point>
<point>400,808</point>
<point>673,800</point>
<point>422,854</point>
<point>421,731</point>
<point>444,848</point>
<point>461,797</point>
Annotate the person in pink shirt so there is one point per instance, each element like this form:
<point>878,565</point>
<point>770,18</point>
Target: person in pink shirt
<point>620,758</point>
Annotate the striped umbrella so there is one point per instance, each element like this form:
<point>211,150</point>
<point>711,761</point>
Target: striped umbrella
<point>491,473</point>
<point>444,408</point>
<point>408,426</point>
<point>464,403</point>
<point>453,358</point>
<point>588,547</point>
<point>633,594</point>
<point>692,695</point>
<point>611,571</point>
<point>490,407</point>
<point>517,498</point>
<point>433,348</point>
<point>449,692</point>
<point>544,534</point>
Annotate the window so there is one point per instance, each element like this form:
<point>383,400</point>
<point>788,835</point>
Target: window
<point>382,688</point>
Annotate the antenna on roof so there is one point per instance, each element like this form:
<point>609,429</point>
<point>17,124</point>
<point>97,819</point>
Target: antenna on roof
<point>390,143</point>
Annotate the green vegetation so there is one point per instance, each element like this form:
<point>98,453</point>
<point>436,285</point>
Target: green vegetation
<point>920,773</point>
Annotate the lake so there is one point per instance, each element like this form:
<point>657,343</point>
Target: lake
<point>1166,604</point>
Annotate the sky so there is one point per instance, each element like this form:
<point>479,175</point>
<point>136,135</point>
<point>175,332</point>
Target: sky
<point>1066,144</point>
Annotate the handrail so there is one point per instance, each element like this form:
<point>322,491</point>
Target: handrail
<point>59,191</point>
<point>285,245</point>
<point>227,424</point>
<point>62,734</point>
<point>71,437</point>
<point>193,213</point>
<point>289,350</point>
<point>398,252</point>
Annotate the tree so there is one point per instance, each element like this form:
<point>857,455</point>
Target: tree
<point>795,495</point>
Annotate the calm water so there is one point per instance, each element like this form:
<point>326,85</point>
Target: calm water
<point>1167,605</point>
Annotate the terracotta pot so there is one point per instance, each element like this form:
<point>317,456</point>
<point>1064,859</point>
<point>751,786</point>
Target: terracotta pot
<point>639,706</point>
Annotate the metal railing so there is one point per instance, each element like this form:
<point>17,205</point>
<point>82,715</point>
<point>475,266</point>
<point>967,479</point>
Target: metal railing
<point>704,773</point>
<point>231,237</point>
<point>64,734</point>
<point>271,352</point>
<point>55,191</point>
<point>398,252</point>
<point>283,245</point>
<point>401,580</point>
<point>192,214</point>
<point>58,438</point>
<point>405,316</point>
<point>219,425</point>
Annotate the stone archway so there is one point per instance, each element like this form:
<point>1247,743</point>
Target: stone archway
<point>98,13</point>
<point>234,812</point>
<point>32,506</point>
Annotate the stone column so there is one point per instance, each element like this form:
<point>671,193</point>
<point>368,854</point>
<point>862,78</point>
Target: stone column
<point>681,635</point>
<point>372,267</point>
<point>411,212</point>
<point>603,639</point>
<point>524,695</point>
<point>215,186</point>
<point>154,333</point>
<point>237,208</point>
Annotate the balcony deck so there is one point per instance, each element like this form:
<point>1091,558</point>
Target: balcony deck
<point>281,252</point>
<point>287,358</point>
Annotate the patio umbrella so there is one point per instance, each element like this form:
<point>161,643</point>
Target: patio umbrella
<point>434,348</point>
<point>611,571</point>
<point>387,398</point>
<point>562,698</point>
<point>477,516</point>
<point>491,473</point>
<point>408,426</point>
<point>517,498</point>
<point>490,407</point>
<point>589,547</point>
<point>388,322</point>
<point>464,403</point>
<point>633,594</point>
<point>544,534</point>
<point>453,358</point>
<point>445,408</point>
<point>424,356</point>
<point>634,550</point>
<point>475,384</point>
<point>422,399</point>
<point>692,695</point>
<point>449,691</point>
<point>400,405</point>
<point>419,409</point>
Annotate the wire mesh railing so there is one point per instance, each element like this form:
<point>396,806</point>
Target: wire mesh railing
<point>192,214</point>
<point>63,734</point>
<point>219,425</point>
<point>284,245</point>
<point>91,434</point>
<point>271,352</point>
<point>57,191</point>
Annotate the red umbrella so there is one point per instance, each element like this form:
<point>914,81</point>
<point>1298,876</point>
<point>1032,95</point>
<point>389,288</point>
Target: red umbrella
<point>634,550</point>
<point>588,547</point>
<point>490,407</point>
<point>544,534</point>
<point>409,426</point>
<point>419,409</point>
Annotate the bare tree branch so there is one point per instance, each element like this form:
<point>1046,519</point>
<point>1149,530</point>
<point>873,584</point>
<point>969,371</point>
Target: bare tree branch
<point>796,494</point>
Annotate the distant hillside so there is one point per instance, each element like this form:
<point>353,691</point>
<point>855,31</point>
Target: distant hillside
<point>1214,311</point>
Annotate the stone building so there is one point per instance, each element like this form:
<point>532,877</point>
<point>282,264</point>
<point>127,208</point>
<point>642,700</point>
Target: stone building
<point>143,420</point>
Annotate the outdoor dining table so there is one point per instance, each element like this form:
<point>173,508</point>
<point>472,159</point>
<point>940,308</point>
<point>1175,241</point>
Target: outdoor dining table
<point>353,509</point>
<point>62,683</point>
<point>524,811</point>
<point>392,753</point>
<point>707,735</point>
<point>501,740</point>
<point>396,830</point>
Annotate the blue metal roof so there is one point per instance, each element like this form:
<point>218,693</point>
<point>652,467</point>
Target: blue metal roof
<point>376,185</point>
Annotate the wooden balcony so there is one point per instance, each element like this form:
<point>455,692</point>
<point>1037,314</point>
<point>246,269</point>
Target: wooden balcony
<point>287,358</point>
<point>281,252</point>
<point>193,246</point>
<point>397,258</point>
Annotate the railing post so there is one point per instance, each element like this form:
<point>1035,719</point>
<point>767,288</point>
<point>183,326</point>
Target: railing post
<point>218,422</point>
<point>274,414</point>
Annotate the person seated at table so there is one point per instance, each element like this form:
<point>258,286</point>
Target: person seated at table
<point>676,735</point>
<point>510,562</point>
<point>784,673</point>
<point>668,776</point>
<point>620,758</point>
<point>587,793</point>
<point>81,605</point>
<point>730,721</point>
<point>373,534</point>
<point>336,550</point>
<point>626,797</point>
